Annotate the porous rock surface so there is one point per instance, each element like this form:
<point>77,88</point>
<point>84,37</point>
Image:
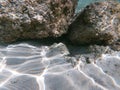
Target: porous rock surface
<point>98,23</point>
<point>31,19</point>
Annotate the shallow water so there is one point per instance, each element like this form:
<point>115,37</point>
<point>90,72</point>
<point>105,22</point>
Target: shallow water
<point>83,3</point>
<point>27,67</point>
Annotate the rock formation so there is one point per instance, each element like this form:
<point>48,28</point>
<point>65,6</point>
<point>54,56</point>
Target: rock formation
<point>31,19</point>
<point>98,23</point>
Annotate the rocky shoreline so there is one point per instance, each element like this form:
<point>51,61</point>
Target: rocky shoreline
<point>65,54</point>
<point>84,35</point>
<point>97,23</point>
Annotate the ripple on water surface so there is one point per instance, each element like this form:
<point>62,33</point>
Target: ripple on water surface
<point>27,67</point>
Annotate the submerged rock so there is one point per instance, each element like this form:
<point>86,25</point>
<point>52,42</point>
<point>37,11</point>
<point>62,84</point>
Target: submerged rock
<point>31,19</point>
<point>98,23</point>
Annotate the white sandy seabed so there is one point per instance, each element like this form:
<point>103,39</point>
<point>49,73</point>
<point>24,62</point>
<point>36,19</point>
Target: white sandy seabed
<point>28,67</point>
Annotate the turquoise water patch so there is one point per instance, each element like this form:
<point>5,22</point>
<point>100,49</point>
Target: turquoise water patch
<point>83,3</point>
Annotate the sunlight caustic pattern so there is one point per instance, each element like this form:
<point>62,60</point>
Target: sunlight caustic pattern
<point>23,66</point>
<point>22,62</point>
<point>27,67</point>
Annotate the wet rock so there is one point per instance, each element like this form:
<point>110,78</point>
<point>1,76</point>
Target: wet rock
<point>98,23</point>
<point>31,19</point>
<point>91,53</point>
<point>57,49</point>
<point>115,46</point>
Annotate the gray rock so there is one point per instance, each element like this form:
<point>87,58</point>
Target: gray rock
<point>98,23</point>
<point>31,19</point>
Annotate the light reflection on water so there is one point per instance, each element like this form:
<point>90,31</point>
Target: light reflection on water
<point>23,66</point>
<point>27,67</point>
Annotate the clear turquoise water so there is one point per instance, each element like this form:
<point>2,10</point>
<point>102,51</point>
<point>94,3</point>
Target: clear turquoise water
<point>83,3</point>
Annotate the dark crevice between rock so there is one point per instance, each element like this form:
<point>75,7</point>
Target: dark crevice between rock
<point>87,51</point>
